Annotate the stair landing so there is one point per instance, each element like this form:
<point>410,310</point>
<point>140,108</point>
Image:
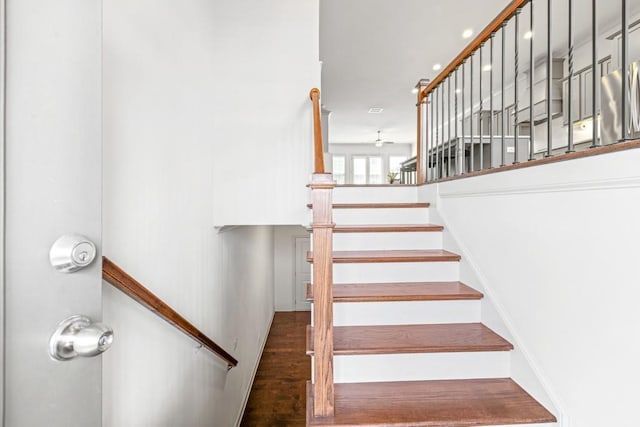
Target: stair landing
<point>450,403</point>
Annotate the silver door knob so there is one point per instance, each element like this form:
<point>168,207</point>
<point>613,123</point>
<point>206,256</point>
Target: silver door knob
<point>72,252</point>
<point>78,336</point>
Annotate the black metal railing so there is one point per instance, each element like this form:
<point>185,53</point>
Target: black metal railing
<point>523,67</point>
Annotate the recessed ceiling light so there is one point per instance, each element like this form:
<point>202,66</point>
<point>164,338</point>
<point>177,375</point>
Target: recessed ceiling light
<point>414,90</point>
<point>458,90</point>
<point>467,33</point>
<point>375,110</point>
<point>437,67</point>
<point>486,67</point>
<point>527,35</point>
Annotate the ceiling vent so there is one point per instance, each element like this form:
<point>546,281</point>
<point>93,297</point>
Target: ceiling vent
<point>375,110</point>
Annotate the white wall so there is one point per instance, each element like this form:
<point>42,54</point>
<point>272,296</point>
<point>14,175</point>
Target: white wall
<point>553,247</point>
<point>264,63</point>
<point>156,376</point>
<point>206,122</point>
<point>284,265</point>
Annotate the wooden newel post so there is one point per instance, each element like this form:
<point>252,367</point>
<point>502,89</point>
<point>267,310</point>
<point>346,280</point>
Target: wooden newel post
<point>421,150</point>
<point>321,190</point>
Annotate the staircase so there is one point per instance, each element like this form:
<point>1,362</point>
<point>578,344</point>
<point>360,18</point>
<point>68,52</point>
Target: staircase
<point>408,345</point>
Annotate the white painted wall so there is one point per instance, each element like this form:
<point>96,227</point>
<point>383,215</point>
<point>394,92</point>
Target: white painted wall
<point>156,376</point>
<point>284,265</point>
<point>206,122</point>
<point>264,58</point>
<point>553,248</point>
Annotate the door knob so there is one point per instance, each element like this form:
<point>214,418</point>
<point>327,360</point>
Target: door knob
<point>72,252</point>
<point>78,336</point>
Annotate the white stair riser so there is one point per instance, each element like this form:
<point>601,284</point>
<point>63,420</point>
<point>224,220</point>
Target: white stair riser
<point>381,216</point>
<point>395,272</point>
<point>420,366</point>
<point>405,312</point>
<point>375,195</point>
<point>387,241</point>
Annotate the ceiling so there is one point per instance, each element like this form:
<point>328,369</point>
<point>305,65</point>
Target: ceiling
<point>374,52</point>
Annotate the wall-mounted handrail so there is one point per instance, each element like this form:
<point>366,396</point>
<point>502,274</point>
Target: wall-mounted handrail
<point>318,150</point>
<point>119,279</point>
<point>475,44</point>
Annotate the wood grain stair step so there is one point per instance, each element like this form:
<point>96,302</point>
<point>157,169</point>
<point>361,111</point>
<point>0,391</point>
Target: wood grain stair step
<point>407,291</point>
<point>452,403</point>
<point>376,205</point>
<point>387,228</point>
<point>432,338</point>
<point>413,255</point>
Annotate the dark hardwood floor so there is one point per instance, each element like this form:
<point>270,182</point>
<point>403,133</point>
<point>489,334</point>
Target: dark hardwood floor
<point>278,395</point>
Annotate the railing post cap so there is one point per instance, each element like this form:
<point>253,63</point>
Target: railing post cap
<point>314,91</point>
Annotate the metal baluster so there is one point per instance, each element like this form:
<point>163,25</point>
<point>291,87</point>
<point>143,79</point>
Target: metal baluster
<point>463,146</point>
<point>437,108</point>
<point>549,71</point>
<point>480,109</point>
<point>570,148</point>
<point>491,112</point>
<point>503,121</point>
<point>424,140</point>
<point>442,146</point>
<point>449,123</point>
<point>625,69</point>
<point>471,165</point>
<point>594,74</point>
<point>516,145</point>
<point>431,140</point>
<point>532,128</point>
<point>455,120</point>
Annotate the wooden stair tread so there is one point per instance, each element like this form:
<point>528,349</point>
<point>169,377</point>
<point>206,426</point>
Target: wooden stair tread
<point>413,255</point>
<point>407,291</point>
<point>431,338</point>
<point>376,205</point>
<point>452,403</point>
<point>385,228</point>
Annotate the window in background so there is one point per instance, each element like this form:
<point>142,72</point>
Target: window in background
<point>339,169</point>
<point>375,170</point>
<point>366,170</point>
<point>359,170</point>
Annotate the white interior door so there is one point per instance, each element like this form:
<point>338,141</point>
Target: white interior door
<point>302,274</point>
<point>52,147</point>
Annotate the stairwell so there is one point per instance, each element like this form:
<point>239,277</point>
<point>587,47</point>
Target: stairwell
<point>409,348</point>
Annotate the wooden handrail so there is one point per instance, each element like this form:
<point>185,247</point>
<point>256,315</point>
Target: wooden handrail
<point>119,279</point>
<point>475,44</point>
<point>318,149</point>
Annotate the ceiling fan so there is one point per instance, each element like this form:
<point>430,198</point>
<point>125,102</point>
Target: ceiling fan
<point>379,142</point>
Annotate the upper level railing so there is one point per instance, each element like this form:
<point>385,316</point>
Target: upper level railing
<point>513,95</point>
<point>119,279</point>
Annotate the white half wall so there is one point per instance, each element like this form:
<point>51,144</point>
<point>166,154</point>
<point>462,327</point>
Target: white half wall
<point>554,249</point>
